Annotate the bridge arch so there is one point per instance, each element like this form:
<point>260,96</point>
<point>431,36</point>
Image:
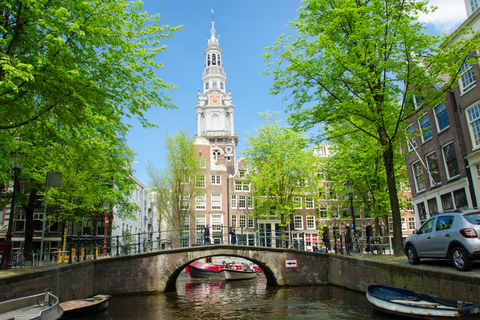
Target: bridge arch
<point>172,274</point>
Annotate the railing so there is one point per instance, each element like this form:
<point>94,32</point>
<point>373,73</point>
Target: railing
<point>85,248</point>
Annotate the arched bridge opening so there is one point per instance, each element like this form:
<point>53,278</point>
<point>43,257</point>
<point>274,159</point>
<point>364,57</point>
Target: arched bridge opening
<point>268,273</point>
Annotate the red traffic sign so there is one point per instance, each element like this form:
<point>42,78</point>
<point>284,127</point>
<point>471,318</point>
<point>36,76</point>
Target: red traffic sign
<point>291,263</point>
<point>106,221</point>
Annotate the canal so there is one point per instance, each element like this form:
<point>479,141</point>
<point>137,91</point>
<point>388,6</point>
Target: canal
<point>215,298</point>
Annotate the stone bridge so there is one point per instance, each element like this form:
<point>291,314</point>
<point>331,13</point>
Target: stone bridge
<point>159,270</point>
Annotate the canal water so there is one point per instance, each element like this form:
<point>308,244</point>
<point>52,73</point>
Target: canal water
<point>218,299</point>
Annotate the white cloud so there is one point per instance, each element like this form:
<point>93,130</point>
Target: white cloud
<point>449,15</point>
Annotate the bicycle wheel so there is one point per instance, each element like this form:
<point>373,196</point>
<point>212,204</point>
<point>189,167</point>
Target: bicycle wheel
<point>376,247</point>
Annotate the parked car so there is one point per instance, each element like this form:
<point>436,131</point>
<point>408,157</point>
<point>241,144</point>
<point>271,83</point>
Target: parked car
<point>450,235</point>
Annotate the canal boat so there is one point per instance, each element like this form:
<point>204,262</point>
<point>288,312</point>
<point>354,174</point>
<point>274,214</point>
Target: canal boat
<point>410,303</point>
<point>42,306</point>
<point>243,273</point>
<point>80,307</point>
<point>199,269</point>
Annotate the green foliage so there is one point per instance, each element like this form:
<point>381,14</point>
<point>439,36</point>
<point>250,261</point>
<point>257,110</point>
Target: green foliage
<point>281,167</point>
<point>82,58</point>
<point>175,184</point>
<point>356,64</point>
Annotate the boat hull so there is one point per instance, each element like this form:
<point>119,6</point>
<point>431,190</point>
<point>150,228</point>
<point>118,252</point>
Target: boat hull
<point>232,274</point>
<point>413,304</point>
<point>196,272</point>
<point>44,306</point>
<point>76,308</point>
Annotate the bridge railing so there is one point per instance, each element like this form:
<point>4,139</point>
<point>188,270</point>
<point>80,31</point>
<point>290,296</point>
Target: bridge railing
<point>83,248</point>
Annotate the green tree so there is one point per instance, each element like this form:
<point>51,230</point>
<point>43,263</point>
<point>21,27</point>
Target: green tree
<point>280,167</point>
<point>83,56</point>
<point>359,62</point>
<point>175,184</point>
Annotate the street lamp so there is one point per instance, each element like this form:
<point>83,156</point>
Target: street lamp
<point>349,187</point>
<point>105,208</point>
<point>17,164</point>
<point>334,216</point>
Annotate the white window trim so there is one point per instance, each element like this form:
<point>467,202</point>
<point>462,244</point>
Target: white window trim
<point>471,85</point>
<point>295,222</point>
<point>296,202</point>
<point>437,123</point>
<point>218,201</point>
<point>470,127</point>
<point>233,201</point>
<point>311,218</point>
<point>445,162</point>
<point>421,128</point>
<point>415,177</point>
<point>201,201</point>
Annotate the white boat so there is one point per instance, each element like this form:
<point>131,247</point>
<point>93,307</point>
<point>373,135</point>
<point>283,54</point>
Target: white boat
<point>43,306</point>
<point>232,273</point>
<point>410,303</point>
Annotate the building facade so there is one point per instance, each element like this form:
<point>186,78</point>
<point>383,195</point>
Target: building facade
<point>443,162</point>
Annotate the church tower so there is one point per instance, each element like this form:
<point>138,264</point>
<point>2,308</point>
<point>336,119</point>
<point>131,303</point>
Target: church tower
<point>215,109</point>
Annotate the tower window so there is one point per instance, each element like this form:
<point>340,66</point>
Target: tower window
<point>206,86</point>
<point>214,59</point>
<point>208,59</point>
<point>215,155</point>
<point>221,85</point>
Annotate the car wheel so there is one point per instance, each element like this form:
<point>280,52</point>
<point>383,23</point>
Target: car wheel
<point>461,260</point>
<point>412,255</point>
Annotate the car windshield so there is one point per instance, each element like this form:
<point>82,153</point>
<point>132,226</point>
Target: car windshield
<point>473,218</point>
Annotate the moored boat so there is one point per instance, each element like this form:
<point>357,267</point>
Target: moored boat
<point>43,306</point>
<point>80,307</point>
<point>204,270</point>
<point>410,303</point>
<point>244,273</point>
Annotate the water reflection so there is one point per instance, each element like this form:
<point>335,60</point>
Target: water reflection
<point>249,299</point>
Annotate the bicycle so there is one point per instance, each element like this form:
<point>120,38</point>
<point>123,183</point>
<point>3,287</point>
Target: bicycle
<point>18,260</point>
<point>356,246</point>
<point>375,245</point>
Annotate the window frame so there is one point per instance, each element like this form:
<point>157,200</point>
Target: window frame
<point>472,114</point>
<point>425,128</point>
<point>416,176</point>
<point>446,163</point>
<point>440,118</point>
<point>216,198</point>
<point>466,71</point>
<point>201,201</point>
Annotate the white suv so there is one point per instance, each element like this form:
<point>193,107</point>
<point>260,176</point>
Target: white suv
<point>453,235</point>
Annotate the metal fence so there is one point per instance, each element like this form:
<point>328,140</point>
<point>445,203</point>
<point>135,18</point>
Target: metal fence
<point>83,248</point>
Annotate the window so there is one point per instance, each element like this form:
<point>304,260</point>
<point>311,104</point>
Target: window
<point>421,211</point>
<point>250,223</point>
<point>415,101</point>
<point>412,139</point>
<point>390,224</point>
<point>38,222</point>
<point>404,224</point>
<point>19,222</point>
<point>184,202</point>
<point>432,163</point>
<point>242,221</point>
<point>467,80</point>
<point>460,198</point>
<point>234,201</point>
<point>411,223</point>
<point>298,222</point>
<point>201,201</point>
<point>241,173</point>
<point>473,119</point>
<point>202,163</point>
<point>297,203</point>
<point>432,206</point>
<point>309,203</point>
<point>474,5</point>
<point>241,186</point>
<point>418,176</point>
<point>424,124</point>
<point>444,223</point>
<point>250,202</point>
<point>441,117</point>
<point>216,201</point>
<point>447,201</point>
<point>234,219</point>
<point>450,161</point>
<point>216,222</point>
<point>200,181</point>
<point>310,222</point>
<point>242,202</point>
<point>323,213</point>
<point>216,179</point>
<point>427,227</point>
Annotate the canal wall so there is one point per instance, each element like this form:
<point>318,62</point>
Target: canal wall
<point>154,273</point>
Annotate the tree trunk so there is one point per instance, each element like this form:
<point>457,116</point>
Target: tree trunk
<point>392,192</point>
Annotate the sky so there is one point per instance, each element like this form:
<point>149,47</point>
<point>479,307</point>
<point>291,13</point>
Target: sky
<point>244,29</point>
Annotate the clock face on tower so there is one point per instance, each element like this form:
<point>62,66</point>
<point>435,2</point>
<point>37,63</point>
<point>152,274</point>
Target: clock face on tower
<point>215,100</point>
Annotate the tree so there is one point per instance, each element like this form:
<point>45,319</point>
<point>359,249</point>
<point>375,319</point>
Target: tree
<point>83,56</point>
<point>358,62</point>
<point>175,185</point>
<point>280,168</point>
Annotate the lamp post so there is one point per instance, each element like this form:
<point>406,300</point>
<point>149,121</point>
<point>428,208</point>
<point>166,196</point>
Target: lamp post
<point>105,208</point>
<point>334,216</point>
<point>349,187</point>
<point>17,164</point>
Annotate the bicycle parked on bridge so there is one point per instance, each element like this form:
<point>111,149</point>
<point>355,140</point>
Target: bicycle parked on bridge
<point>18,260</point>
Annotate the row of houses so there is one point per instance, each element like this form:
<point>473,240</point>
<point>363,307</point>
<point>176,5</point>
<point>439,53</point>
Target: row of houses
<point>443,160</point>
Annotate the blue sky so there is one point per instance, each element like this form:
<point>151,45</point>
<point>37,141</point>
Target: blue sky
<point>244,28</point>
